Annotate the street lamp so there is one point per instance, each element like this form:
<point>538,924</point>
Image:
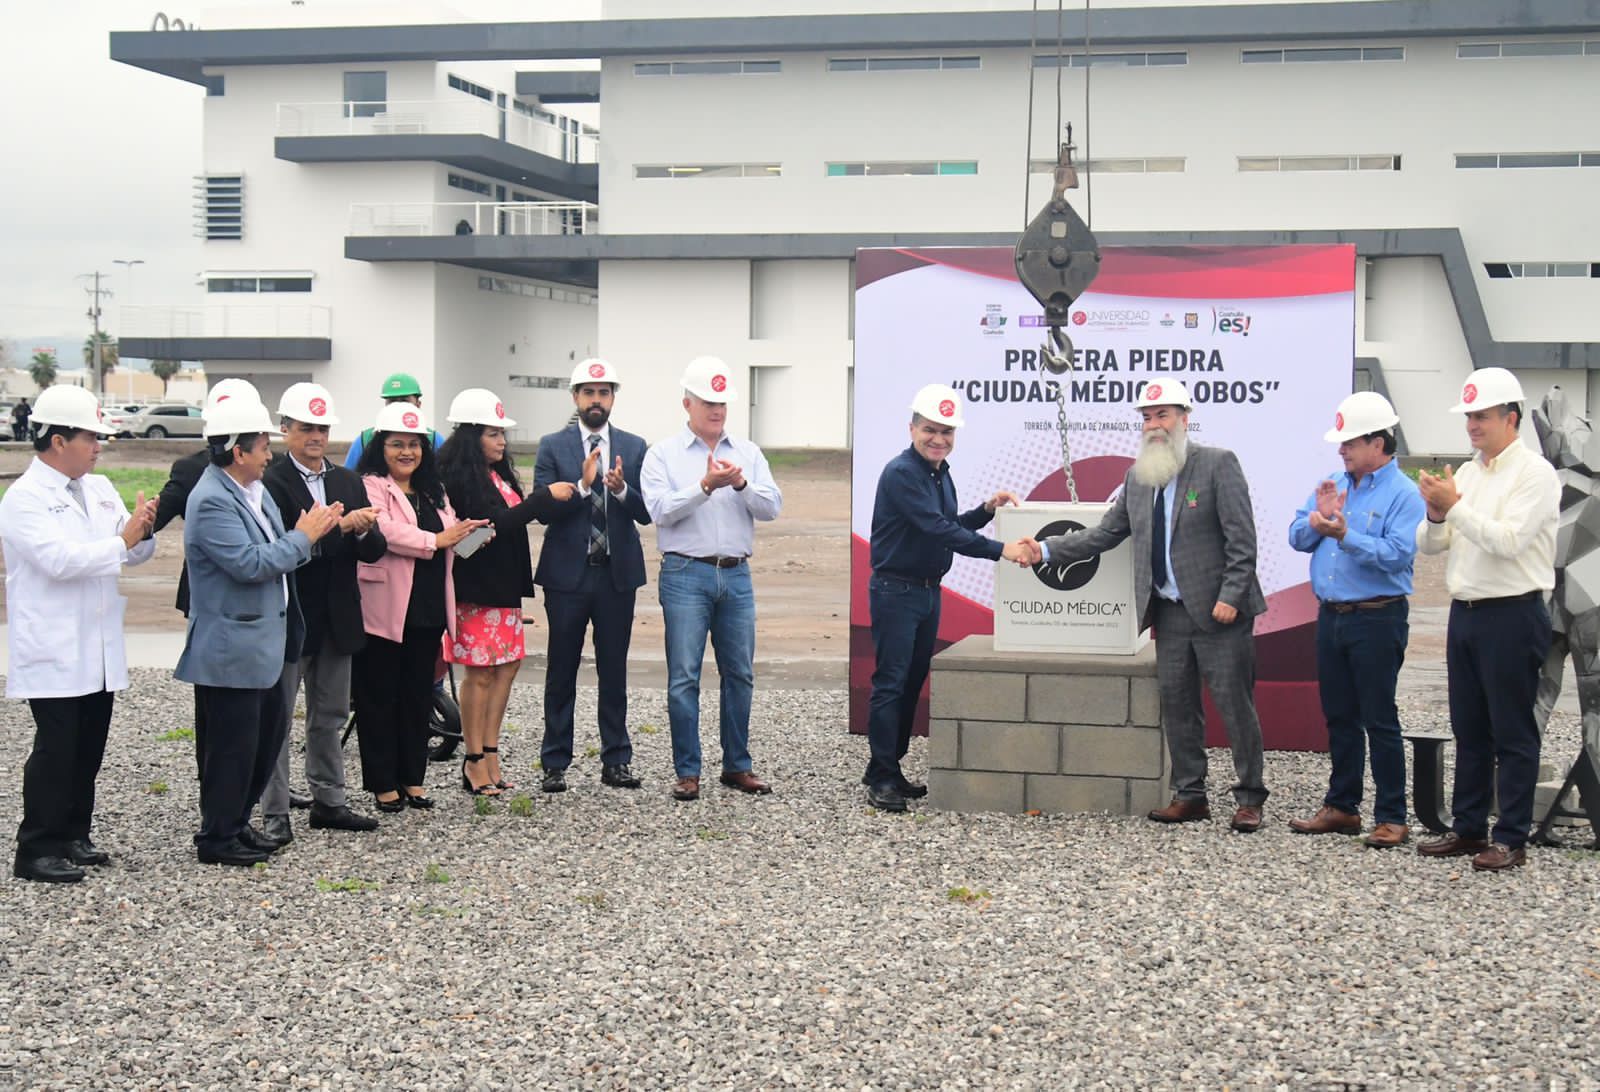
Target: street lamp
<point>130,263</point>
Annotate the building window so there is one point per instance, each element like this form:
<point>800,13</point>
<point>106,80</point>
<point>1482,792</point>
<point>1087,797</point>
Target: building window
<point>468,183</point>
<point>1171,164</point>
<point>1515,270</point>
<point>539,382</point>
<point>707,68</point>
<point>1251,163</point>
<point>901,64</point>
<point>258,282</point>
<point>536,292</point>
<point>1494,51</point>
<point>903,167</point>
<point>471,88</point>
<point>1509,160</point>
<point>366,94</point>
<point>708,170</point>
<point>1168,59</point>
<point>1316,54</point>
<point>219,206</point>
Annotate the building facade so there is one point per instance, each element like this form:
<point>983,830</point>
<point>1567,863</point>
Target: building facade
<point>450,219</point>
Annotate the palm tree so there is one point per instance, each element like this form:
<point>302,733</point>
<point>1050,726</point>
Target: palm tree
<point>42,368</point>
<point>164,370</point>
<point>108,356</point>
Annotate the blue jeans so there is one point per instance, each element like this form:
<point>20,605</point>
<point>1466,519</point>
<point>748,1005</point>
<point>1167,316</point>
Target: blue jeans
<point>1358,663</point>
<point>905,621</point>
<point>696,600</point>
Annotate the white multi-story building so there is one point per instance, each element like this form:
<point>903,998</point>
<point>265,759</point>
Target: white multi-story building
<point>414,197</point>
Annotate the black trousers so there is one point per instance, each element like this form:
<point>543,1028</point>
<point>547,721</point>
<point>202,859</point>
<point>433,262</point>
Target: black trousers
<point>244,732</point>
<point>199,735</point>
<point>1494,654</point>
<point>391,685</point>
<point>69,741</point>
<point>597,602</point>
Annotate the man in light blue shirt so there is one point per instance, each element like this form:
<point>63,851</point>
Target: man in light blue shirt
<point>1360,528</point>
<point>705,491</point>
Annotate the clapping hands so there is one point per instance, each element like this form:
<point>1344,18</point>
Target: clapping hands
<point>141,522</point>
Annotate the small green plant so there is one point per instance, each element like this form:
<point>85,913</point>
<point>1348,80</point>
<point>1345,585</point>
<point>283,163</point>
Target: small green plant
<point>967,895</point>
<point>483,805</point>
<point>520,805</point>
<point>260,866</point>
<point>157,788</point>
<point>434,874</point>
<point>596,900</point>
<point>177,735</point>
<point>648,729</point>
<point>706,834</point>
<point>348,884</point>
<point>591,752</point>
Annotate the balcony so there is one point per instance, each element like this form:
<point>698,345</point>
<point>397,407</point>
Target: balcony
<point>474,218</point>
<point>231,331</point>
<point>465,132</point>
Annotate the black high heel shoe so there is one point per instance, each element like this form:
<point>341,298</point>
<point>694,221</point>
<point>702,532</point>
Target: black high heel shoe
<point>502,784</point>
<point>390,807</point>
<point>420,801</point>
<point>491,789</point>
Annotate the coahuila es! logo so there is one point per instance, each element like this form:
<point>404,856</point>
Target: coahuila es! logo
<point>993,320</point>
<point>1064,577</point>
<point>1230,320</point>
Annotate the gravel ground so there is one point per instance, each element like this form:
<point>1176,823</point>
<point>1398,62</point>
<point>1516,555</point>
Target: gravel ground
<point>613,939</point>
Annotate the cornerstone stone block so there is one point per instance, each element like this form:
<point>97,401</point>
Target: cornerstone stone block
<point>983,695</point>
<point>967,791</point>
<point>1066,793</point>
<point>1144,702</point>
<point>1122,750</point>
<point>1080,699</point>
<point>1017,748</point>
<point>944,744</point>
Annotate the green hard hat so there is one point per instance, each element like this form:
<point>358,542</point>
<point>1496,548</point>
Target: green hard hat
<point>401,385</point>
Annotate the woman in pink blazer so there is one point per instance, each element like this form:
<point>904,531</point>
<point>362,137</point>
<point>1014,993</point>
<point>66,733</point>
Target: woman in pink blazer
<point>407,602</point>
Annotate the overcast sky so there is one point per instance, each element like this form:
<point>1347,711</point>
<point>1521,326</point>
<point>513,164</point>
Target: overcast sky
<point>99,157</point>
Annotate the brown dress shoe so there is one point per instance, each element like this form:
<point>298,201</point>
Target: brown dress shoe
<point>745,781</point>
<point>1247,820</point>
<point>1388,835</point>
<point>1181,811</point>
<point>1452,845</point>
<point>687,788</point>
<point>1498,857</point>
<point>1327,821</point>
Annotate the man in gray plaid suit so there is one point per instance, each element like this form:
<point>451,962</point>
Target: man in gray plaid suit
<point>1196,584</point>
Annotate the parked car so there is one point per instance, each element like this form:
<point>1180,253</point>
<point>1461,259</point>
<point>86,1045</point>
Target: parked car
<point>158,422</point>
<point>5,419</point>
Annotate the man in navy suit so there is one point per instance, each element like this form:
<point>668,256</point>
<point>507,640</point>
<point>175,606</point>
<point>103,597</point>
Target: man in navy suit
<point>591,567</point>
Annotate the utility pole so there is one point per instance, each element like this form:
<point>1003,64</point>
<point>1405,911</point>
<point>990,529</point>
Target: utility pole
<point>95,376</point>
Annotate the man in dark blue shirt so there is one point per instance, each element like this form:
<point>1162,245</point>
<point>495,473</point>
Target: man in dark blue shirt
<point>916,526</point>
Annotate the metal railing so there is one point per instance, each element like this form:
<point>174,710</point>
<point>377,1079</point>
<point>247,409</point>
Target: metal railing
<point>227,320</point>
<point>475,218</point>
<point>442,116</point>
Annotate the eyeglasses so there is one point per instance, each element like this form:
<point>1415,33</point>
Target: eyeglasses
<point>402,445</point>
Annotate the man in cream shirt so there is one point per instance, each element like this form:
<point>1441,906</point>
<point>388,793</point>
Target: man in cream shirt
<point>1497,519</point>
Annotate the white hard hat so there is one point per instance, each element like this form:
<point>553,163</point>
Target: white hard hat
<point>224,389</point>
<point>233,417</point>
<point>69,407</point>
<point>1361,414</point>
<point>1488,387</point>
<point>939,404</point>
<point>400,417</point>
<point>595,370</point>
<point>476,406</point>
<point>1164,392</point>
<point>307,402</point>
<point>707,379</point>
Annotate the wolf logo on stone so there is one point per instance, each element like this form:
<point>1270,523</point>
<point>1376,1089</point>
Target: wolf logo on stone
<point>1064,577</point>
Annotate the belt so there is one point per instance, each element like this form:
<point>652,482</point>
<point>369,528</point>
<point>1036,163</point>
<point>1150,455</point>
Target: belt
<point>1500,600</point>
<point>914,581</point>
<point>1363,604</point>
<point>599,559</point>
<point>719,562</point>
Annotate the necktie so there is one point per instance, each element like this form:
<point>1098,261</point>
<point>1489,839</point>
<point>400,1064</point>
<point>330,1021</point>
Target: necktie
<point>1158,540</point>
<point>597,511</point>
<point>75,487</point>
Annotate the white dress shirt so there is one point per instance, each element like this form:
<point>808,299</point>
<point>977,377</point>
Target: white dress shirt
<point>604,432</point>
<point>692,523</point>
<point>1501,534</point>
<point>313,479</point>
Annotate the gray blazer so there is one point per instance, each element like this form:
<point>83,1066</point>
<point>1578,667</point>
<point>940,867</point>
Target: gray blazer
<point>241,632</point>
<point>1213,542</point>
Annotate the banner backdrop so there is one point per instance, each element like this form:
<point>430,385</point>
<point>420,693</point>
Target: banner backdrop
<point>1263,337</point>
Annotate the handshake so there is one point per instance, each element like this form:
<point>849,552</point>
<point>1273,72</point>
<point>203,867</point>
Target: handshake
<point>1025,552</point>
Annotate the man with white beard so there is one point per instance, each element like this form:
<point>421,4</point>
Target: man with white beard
<point>1195,582</point>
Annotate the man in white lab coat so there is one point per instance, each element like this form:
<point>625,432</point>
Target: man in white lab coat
<point>66,535</point>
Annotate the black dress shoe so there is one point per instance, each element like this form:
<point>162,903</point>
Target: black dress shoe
<point>232,852</point>
<point>886,797</point>
<point>553,781</point>
<point>911,790</point>
<point>257,839</point>
<point>299,801</point>
<point>390,807</point>
<point>277,828</point>
<point>618,777</point>
<point>85,852</point>
<point>419,801</point>
<point>47,870</point>
<point>326,817</point>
